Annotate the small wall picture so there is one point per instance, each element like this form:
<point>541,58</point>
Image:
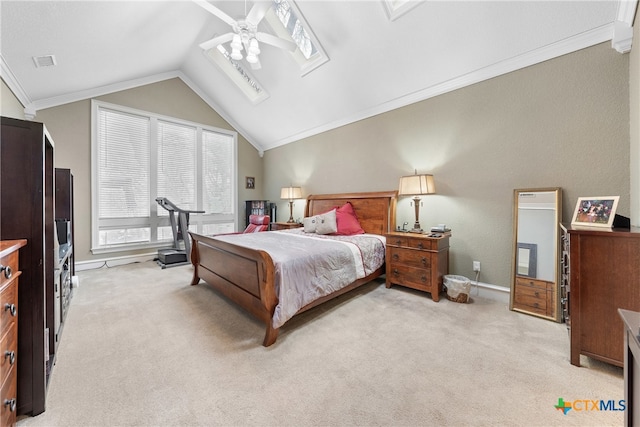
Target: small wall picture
<point>595,211</point>
<point>250,182</point>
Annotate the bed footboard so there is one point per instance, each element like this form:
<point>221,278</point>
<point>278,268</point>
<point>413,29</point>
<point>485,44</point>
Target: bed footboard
<point>244,275</point>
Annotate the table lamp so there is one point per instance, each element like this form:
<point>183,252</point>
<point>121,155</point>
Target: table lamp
<point>290,193</point>
<point>416,185</point>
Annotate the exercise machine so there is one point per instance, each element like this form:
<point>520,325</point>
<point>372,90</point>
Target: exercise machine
<point>176,255</point>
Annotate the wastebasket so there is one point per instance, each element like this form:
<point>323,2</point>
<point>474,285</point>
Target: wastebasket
<point>458,288</point>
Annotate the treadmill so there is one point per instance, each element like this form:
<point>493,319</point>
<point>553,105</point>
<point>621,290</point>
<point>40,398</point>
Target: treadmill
<point>176,255</point>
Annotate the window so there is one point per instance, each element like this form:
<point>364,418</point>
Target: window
<point>286,20</point>
<point>138,156</point>
<point>236,72</point>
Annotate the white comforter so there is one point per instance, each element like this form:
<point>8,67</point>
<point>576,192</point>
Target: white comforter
<point>309,266</point>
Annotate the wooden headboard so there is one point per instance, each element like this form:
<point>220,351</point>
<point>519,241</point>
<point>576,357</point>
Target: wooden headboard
<point>376,211</point>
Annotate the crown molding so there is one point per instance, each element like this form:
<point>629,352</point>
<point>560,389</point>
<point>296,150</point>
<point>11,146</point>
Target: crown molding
<point>572,44</point>
<point>56,101</point>
<point>627,11</point>
<point>211,103</point>
<point>32,107</point>
<point>13,83</point>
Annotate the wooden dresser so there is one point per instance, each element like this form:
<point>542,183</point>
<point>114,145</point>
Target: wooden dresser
<point>604,277</point>
<point>9,274</point>
<point>417,261</point>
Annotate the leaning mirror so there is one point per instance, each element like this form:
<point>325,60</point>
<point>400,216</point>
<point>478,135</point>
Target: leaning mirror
<point>536,265</point>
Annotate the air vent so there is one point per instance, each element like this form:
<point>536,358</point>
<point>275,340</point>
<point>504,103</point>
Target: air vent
<point>44,61</point>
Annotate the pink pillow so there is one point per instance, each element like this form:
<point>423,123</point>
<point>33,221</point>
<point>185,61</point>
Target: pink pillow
<point>348,223</point>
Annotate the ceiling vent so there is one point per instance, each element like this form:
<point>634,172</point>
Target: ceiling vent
<point>44,61</point>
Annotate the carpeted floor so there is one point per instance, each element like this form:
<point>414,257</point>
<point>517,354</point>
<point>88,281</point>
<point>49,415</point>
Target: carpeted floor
<point>141,347</point>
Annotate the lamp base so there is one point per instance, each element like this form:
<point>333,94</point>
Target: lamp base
<point>416,230</point>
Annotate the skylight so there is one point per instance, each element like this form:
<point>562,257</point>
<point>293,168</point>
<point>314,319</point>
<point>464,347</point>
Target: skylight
<point>241,77</point>
<point>397,8</point>
<point>287,21</point>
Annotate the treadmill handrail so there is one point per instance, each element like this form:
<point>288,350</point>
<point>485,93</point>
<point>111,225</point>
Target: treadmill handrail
<point>168,205</point>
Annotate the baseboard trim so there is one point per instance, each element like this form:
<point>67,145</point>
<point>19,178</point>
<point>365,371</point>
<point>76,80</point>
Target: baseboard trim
<point>489,291</point>
<point>479,289</point>
<point>114,261</point>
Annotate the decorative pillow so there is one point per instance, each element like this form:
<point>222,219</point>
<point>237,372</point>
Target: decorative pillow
<point>326,223</point>
<point>347,221</point>
<point>310,224</point>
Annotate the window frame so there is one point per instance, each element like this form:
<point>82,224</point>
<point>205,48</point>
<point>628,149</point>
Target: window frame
<point>196,222</point>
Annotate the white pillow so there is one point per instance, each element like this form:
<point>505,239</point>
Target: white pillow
<point>326,223</point>
<point>310,224</point>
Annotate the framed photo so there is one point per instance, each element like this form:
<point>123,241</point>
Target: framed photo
<point>250,182</point>
<point>595,211</point>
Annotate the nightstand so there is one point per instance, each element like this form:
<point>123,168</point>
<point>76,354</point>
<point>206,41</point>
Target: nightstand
<point>417,261</point>
<point>284,225</point>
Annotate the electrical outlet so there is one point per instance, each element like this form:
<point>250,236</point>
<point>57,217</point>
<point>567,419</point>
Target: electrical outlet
<point>476,266</point>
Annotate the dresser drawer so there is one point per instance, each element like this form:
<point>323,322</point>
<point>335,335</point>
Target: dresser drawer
<point>418,278</point>
<point>409,257</point>
<point>414,243</point>
<point>8,352</point>
<point>8,304</point>
<point>8,401</point>
<point>541,285</point>
<point>532,298</point>
<point>10,264</point>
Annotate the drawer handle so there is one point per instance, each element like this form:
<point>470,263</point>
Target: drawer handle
<point>396,272</point>
<point>12,309</point>
<point>424,261</point>
<point>7,271</point>
<point>537,294</point>
<point>424,278</point>
<point>398,242</point>
<point>11,355</point>
<point>420,245</point>
<point>395,257</point>
<point>11,403</point>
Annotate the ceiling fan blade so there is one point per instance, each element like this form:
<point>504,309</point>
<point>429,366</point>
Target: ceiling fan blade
<point>216,41</point>
<point>257,12</point>
<point>276,41</point>
<point>215,11</point>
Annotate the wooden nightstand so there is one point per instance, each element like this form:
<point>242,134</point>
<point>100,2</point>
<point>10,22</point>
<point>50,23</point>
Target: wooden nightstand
<point>417,261</point>
<point>284,225</point>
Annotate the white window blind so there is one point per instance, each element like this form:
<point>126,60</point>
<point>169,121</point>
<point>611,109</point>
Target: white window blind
<point>138,156</point>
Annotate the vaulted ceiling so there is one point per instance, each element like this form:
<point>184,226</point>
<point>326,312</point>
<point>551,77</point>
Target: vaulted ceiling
<point>378,60</point>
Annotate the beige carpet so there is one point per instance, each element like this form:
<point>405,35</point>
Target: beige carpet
<point>143,348</point>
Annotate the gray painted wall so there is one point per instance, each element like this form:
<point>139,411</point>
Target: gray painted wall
<point>562,123</point>
<point>565,122</point>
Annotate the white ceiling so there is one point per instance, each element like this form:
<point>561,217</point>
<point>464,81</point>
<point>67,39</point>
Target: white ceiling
<point>375,64</point>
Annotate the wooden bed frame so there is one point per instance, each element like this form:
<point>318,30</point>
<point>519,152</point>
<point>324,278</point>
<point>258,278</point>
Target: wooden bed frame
<point>247,276</point>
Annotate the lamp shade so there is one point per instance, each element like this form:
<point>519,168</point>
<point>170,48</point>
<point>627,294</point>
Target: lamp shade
<point>290,193</point>
<point>413,185</point>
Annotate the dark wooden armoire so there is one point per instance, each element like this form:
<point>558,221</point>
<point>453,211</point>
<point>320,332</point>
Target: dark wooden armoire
<point>27,212</point>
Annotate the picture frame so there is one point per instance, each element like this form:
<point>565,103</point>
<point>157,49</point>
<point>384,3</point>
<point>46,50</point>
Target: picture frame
<point>595,211</point>
<point>250,182</point>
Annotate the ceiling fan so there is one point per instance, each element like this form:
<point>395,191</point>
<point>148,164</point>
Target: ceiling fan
<point>245,33</point>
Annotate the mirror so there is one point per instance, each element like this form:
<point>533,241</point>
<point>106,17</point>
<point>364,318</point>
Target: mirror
<point>536,244</point>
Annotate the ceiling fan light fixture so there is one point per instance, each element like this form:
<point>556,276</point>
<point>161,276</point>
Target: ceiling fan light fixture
<point>236,43</point>
<point>236,55</point>
<point>254,48</point>
<point>252,58</point>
